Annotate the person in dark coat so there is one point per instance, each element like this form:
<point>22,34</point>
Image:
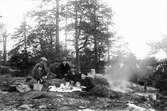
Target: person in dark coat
<point>54,69</point>
<point>40,71</point>
<point>64,68</point>
<point>87,82</point>
<point>73,76</point>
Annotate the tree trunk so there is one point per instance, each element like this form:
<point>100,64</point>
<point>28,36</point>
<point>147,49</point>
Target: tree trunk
<point>95,39</point>
<point>51,41</point>
<point>25,36</point>
<point>108,53</point>
<point>57,28</point>
<point>77,37</point>
<point>4,47</point>
<point>66,32</point>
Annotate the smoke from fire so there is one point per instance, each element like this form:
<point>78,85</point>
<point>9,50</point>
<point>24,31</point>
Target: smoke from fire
<point>123,71</point>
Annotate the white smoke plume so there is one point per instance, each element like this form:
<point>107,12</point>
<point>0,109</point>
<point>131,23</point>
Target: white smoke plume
<point>120,74</point>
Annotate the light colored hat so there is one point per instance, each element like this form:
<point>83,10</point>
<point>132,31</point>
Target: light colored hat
<point>43,59</point>
<point>64,59</point>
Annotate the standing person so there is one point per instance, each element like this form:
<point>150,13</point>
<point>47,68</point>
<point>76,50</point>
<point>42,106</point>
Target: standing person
<point>64,68</point>
<point>40,71</point>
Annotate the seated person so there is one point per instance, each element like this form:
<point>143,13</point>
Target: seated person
<point>40,71</point>
<point>73,76</point>
<point>87,82</point>
<point>64,68</point>
<point>54,69</point>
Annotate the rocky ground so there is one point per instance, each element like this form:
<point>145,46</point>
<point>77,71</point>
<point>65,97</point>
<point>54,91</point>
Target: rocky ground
<point>75,101</point>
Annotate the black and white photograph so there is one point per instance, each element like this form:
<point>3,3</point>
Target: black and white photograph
<point>83,55</point>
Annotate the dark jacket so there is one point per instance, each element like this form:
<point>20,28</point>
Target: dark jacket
<point>54,68</point>
<point>64,69</point>
<point>88,83</point>
<point>74,77</point>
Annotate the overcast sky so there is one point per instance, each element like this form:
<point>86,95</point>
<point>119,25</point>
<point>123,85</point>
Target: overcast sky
<point>138,21</point>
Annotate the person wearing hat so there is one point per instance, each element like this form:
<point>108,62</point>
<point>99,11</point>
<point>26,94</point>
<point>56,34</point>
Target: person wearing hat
<point>54,69</point>
<point>40,71</point>
<point>64,68</point>
<point>73,76</point>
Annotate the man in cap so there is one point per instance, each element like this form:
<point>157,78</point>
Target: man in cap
<point>64,68</point>
<point>40,71</point>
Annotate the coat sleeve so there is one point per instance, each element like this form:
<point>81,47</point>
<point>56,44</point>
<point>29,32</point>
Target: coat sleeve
<point>34,70</point>
<point>46,69</point>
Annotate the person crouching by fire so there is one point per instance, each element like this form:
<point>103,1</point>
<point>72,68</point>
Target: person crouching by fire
<point>40,71</point>
<point>86,82</point>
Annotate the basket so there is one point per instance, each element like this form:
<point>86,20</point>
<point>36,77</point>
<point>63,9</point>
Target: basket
<point>37,87</point>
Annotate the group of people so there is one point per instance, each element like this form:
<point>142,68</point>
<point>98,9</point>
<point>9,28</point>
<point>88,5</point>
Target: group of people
<point>63,71</point>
